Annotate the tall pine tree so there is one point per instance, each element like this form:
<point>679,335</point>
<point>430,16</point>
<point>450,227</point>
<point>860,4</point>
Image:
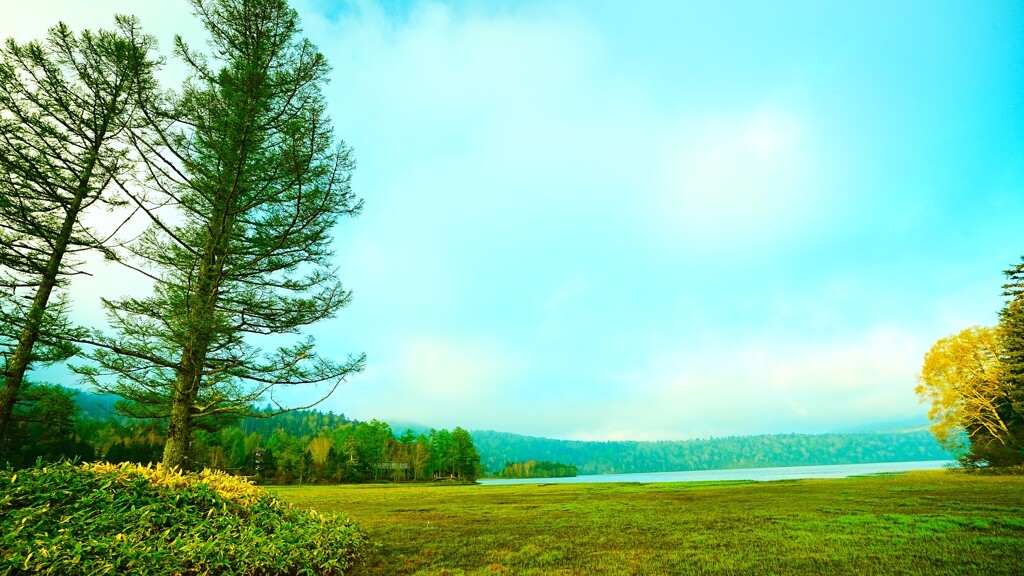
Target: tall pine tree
<point>246,157</point>
<point>64,106</point>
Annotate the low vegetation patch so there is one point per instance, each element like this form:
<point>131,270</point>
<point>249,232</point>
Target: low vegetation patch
<point>130,519</point>
<point>921,523</point>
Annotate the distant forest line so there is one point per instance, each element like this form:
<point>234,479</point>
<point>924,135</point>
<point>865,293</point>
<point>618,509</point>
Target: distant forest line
<point>623,457</point>
<point>497,449</point>
<point>311,446</point>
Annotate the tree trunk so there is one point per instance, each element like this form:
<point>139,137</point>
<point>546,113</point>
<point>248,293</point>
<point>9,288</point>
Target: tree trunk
<point>194,352</point>
<point>186,390</point>
<point>179,430</point>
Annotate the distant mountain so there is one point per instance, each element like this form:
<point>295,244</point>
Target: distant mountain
<point>497,448</point>
<point>97,406</point>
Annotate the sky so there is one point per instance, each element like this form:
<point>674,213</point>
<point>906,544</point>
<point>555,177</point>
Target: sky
<point>653,220</point>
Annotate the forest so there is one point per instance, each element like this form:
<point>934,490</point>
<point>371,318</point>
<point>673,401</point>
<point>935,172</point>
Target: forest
<point>314,447</point>
<point>619,457</point>
<point>304,447</point>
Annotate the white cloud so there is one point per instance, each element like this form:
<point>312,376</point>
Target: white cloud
<point>742,179</point>
<point>441,382</point>
<point>446,371</point>
<point>767,384</point>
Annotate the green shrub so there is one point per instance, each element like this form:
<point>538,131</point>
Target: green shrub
<point>105,519</point>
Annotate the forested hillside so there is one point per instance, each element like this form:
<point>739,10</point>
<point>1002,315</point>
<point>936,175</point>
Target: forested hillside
<point>497,448</point>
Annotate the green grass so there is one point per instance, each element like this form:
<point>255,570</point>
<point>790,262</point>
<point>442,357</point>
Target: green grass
<point>936,522</point>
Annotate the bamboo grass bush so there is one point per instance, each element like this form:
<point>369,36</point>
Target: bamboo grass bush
<point>131,519</point>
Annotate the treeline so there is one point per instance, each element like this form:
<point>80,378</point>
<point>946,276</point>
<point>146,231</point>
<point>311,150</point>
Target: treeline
<point>311,447</point>
<point>317,447</point>
<point>498,448</point>
<point>535,469</point>
<point>306,447</point>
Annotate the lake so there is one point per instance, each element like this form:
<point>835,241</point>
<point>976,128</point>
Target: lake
<point>758,474</point>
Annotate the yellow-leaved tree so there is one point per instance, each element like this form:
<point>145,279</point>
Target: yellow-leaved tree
<point>319,448</point>
<point>961,377</point>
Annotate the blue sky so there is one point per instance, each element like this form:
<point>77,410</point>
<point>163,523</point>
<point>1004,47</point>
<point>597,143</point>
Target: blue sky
<point>655,220</point>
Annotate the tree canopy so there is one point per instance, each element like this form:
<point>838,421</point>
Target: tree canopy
<point>962,379</point>
<point>245,157</point>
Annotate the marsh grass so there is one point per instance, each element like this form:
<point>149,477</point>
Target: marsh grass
<point>936,522</point>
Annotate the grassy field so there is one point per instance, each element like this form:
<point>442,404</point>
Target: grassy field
<point>935,522</point>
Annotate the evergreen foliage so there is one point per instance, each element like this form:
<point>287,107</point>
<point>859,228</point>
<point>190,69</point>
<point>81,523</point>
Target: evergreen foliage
<point>1011,331</point>
<point>245,157</point>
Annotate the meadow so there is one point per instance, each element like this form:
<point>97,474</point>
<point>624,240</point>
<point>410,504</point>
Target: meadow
<point>933,522</point>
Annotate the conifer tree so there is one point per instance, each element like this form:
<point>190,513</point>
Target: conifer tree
<point>466,460</point>
<point>1011,331</point>
<point>64,105</point>
<point>246,158</point>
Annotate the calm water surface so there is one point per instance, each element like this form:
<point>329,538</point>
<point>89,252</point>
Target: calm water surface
<point>758,474</point>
